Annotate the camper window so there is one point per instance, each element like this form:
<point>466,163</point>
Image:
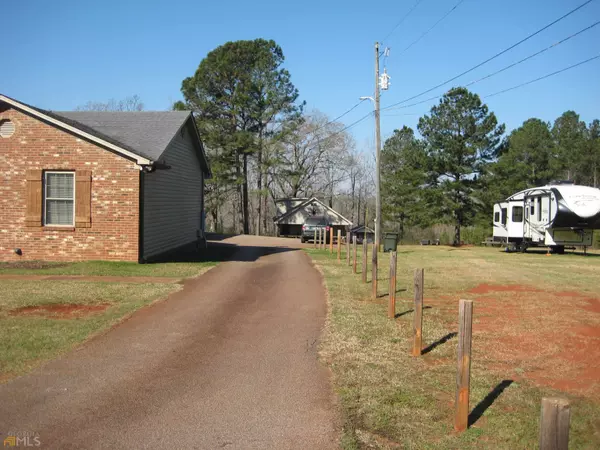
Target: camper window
<point>517,214</point>
<point>532,210</point>
<point>504,218</point>
<point>539,211</point>
<point>497,217</point>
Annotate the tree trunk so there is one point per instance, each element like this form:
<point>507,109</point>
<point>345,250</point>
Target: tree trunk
<point>358,209</point>
<point>246,221</point>
<point>259,182</point>
<point>215,218</point>
<point>353,184</point>
<point>240,196</point>
<point>457,233</point>
<point>265,228</point>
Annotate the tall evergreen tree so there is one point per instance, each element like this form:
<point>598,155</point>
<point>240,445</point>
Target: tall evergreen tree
<point>462,136</point>
<point>237,92</point>
<point>405,178</point>
<point>569,135</point>
<point>591,156</point>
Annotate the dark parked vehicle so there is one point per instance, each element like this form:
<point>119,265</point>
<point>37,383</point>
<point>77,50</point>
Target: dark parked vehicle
<point>314,223</point>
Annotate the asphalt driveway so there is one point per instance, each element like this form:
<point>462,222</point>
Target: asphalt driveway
<point>228,362</point>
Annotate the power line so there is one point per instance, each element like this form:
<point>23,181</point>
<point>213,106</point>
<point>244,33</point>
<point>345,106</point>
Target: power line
<point>329,122</point>
<point>342,115</point>
<point>506,67</point>
<point>349,126</point>
<point>432,27</point>
<point>493,57</point>
<point>542,77</point>
<point>534,54</point>
<point>517,86</point>
<point>402,20</point>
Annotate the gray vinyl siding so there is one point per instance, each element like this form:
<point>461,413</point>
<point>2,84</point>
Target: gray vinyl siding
<point>173,198</point>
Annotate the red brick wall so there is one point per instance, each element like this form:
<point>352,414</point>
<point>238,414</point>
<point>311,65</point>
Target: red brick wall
<point>115,192</point>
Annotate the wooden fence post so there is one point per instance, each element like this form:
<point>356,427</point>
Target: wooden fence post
<point>418,317</point>
<point>339,244</point>
<point>354,251</point>
<point>322,235</point>
<point>554,424</point>
<point>348,247</point>
<point>392,289</point>
<point>374,270</point>
<point>315,238</point>
<point>463,374</point>
<point>331,240</point>
<point>364,260</point>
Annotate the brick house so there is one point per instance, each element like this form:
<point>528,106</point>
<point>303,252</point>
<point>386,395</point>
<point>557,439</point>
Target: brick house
<point>125,186</point>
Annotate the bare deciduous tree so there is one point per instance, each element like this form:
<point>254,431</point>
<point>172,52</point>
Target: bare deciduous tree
<point>131,103</point>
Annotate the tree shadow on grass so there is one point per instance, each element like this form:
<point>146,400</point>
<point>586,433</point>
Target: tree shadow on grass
<point>488,401</point>
<point>408,311</point>
<point>439,342</point>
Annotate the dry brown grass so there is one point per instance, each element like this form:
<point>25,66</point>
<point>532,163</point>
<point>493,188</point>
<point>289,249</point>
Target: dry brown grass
<point>527,330</point>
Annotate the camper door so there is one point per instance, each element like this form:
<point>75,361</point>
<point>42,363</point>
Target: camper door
<point>515,222</point>
<point>537,217</point>
<point>501,221</point>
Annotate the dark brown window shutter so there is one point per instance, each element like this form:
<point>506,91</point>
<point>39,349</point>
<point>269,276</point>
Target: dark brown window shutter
<point>83,199</point>
<point>33,217</point>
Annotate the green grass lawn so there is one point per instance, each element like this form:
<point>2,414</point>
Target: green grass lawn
<point>106,268</point>
<point>526,342</point>
<point>29,336</point>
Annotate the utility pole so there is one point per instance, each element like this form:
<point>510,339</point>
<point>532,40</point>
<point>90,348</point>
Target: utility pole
<point>377,153</point>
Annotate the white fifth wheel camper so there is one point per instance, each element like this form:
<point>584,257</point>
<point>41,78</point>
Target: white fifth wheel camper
<point>557,215</point>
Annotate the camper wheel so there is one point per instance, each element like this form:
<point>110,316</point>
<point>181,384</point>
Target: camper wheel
<point>558,249</point>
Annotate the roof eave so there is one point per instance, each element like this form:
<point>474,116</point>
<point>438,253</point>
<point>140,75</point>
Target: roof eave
<point>301,205</point>
<point>140,160</point>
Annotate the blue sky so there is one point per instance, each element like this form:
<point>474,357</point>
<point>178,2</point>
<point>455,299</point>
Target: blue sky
<point>60,54</point>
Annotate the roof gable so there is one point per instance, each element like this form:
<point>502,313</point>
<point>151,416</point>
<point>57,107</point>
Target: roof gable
<point>308,202</point>
<point>149,132</point>
<point>141,135</point>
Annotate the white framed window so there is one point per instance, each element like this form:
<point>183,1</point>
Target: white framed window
<point>59,198</point>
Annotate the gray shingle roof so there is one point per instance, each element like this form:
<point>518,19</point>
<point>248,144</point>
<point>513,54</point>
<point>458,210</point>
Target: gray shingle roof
<point>146,133</point>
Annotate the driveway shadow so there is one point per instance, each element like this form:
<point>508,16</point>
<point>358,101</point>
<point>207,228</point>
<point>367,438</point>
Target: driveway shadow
<point>219,251</point>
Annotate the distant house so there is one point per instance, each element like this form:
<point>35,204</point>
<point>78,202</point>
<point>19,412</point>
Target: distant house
<point>98,185</point>
<point>293,212</point>
<point>360,232</point>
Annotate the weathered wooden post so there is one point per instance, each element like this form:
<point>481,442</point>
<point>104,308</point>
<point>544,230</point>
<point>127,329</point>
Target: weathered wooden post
<point>418,317</point>
<point>554,424</point>
<point>463,374</point>
<point>321,243</point>
<point>339,244</point>
<point>364,260</point>
<point>315,238</point>
<point>392,294</point>
<point>348,247</point>
<point>354,251</point>
<point>331,240</point>
<point>374,270</point>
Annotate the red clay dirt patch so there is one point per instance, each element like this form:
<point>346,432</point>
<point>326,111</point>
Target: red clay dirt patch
<point>550,338</point>
<point>593,305</point>
<point>60,311</point>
